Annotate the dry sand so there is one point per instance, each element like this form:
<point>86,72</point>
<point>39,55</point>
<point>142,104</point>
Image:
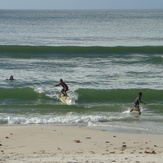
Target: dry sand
<point>64,144</point>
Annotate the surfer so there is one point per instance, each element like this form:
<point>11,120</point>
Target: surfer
<point>11,78</point>
<point>64,85</point>
<point>137,102</point>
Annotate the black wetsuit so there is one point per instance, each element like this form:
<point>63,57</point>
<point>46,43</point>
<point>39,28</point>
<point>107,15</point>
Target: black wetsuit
<point>64,85</point>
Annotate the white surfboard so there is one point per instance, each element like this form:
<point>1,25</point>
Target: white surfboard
<point>135,112</point>
<point>66,100</point>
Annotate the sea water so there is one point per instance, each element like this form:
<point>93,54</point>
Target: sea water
<point>106,57</point>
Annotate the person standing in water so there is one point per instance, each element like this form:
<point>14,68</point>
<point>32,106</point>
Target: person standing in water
<point>65,87</point>
<point>137,102</point>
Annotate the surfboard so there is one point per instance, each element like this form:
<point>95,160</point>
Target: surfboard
<point>63,98</point>
<point>66,100</point>
<point>135,112</point>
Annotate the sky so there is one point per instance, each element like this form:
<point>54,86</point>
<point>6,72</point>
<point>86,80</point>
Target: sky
<point>81,4</point>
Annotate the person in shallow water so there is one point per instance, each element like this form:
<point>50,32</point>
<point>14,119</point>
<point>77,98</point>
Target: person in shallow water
<point>137,102</point>
<point>11,78</point>
<point>65,87</point>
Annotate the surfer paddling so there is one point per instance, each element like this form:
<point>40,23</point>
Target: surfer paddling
<point>64,85</point>
<point>137,102</point>
<point>11,78</point>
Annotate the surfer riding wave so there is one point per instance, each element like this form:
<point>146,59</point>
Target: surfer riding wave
<point>64,89</point>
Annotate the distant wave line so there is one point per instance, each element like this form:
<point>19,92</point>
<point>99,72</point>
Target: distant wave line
<point>12,49</point>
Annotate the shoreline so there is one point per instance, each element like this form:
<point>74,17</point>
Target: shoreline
<point>110,129</point>
<point>46,143</point>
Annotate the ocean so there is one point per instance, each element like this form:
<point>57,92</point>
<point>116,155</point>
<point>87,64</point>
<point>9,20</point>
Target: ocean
<point>106,57</point>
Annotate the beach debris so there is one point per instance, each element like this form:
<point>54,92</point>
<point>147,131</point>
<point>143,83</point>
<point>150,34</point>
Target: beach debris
<point>0,144</point>
<point>92,152</point>
<point>88,137</point>
<point>42,151</point>
<point>79,152</point>
<point>59,148</point>
<point>114,136</point>
<point>107,142</point>
<point>124,146</point>
<point>147,152</point>
<point>77,141</point>
<point>7,137</point>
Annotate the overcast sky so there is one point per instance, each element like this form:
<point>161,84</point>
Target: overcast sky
<point>81,4</point>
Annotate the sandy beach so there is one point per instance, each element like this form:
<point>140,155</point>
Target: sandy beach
<point>65,144</point>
